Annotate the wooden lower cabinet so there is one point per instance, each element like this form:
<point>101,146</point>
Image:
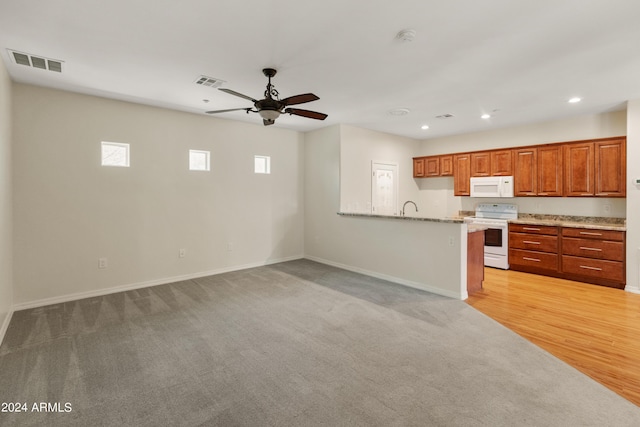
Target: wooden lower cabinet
<point>582,254</point>
<point>594,256</point>
<point>533,248</point>
<point>475,261</point>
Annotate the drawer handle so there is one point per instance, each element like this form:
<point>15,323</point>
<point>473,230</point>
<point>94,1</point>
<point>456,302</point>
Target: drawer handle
<point>531,242</point>
<point>588,233</point>
<point>584,248</point>
<point>530,259</point>
<point>530,228</point>
<point>590,268</point>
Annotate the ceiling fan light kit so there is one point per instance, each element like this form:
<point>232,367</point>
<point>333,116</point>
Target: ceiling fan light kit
<point>271,107</point>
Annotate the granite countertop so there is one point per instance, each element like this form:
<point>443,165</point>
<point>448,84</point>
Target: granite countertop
<point>601,223</point>
<point>575,222</point>
<point>472,228</point>
<point>597,222</point>
<point>405,218</point>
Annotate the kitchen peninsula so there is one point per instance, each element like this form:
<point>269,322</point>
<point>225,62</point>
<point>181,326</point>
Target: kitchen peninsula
<point>423,253</point>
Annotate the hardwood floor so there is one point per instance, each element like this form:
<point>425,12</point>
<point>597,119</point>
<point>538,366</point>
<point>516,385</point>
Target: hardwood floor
<point>594,329</point>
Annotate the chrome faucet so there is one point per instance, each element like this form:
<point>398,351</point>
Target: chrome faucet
<point>405,204</point>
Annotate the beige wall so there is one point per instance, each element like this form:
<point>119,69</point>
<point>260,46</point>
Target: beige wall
<point>414,253</point>
<point>633,196</point>
<point>6,227</point>
<point>358,148</point>
<point>70,211</point>
<point>437,193</point>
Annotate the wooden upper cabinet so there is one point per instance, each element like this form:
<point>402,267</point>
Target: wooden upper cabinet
<point>526,176</point>
<point>462,175</point>
<point>550,182</point>
<point>426,167</point>
<point>502,163</point>
<point>481,163</point>
<point>446,165</point>
<point>418,167</point>
<point>610,168</point>
<point>432,166</point>
<point>579,169</point>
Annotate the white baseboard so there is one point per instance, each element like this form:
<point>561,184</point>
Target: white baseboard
<point>145,284</point>
<point>409,283</point>
<point>5,325</point>
<point>631,289</point>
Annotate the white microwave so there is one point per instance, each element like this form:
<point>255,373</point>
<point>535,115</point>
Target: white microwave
<point>492,186</point>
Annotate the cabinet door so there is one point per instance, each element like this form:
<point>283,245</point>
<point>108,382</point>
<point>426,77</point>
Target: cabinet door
<point>550,171</point>
<point>502,163</point>
<point>418,167</point>
<point>578,171</point>
<point>461,175</point>
<point>446,165</point>
<point>525,178</point>
<point>481,164</point>
<point>610,168</point>
<point>432,166</point>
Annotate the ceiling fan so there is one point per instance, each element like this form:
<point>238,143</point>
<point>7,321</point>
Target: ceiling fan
<point>272,106</point>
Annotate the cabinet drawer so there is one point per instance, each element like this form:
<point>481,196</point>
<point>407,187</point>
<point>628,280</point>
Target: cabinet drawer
<point>602,269</point>
<point>593,233</point>
<point>540,260</point>
<point>533,242</point>
<point>589,248</point>
<point>551,230</point>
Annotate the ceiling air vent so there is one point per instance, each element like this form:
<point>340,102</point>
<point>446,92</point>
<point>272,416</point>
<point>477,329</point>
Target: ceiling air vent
<point>444,116</point>
<point>36,61</point>
<point>209,81</point>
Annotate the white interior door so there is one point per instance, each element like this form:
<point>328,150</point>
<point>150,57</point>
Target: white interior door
<point>384,188</point>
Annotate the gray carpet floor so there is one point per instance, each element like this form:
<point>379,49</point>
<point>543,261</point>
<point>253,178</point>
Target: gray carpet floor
<point>291,344</point>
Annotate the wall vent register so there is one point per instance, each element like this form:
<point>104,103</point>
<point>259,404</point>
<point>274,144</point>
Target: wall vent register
<point>36,61</point>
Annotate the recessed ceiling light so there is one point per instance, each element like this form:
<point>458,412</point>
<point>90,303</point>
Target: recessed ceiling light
<point>485,116</point>
<point>424,127</point>
<point>574,100</point>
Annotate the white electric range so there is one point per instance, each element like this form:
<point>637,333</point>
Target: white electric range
<point>495,217</point>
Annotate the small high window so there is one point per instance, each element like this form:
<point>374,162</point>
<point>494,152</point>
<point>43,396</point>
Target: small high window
<point>115,154</point>
<point>262,164</point>
<point>199,160</point>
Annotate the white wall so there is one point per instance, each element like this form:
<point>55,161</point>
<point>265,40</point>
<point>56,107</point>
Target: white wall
<point>633,196</point>
<point>6,263</point>
<point>415,253</point>
<point>437,193</point>
<point>69,211</point>
<point>358,148</point>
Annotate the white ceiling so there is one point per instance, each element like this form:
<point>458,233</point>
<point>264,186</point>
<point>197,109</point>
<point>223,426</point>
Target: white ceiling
<point>520,61</point>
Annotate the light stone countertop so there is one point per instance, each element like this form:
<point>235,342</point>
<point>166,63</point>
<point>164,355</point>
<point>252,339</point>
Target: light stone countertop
<point>599,223</point>
<point>455,220</point>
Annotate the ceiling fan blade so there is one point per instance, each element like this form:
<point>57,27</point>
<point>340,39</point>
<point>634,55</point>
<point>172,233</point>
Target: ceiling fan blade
<point>225,111</point>
<point>268,122</point>
<point>300,99</point>
<point>306,113</point>
<point>233,92</point>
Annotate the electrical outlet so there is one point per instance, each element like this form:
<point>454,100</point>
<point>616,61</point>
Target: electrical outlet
<point>451,241</point>
<point>182,253</point>
<point>607,208</point>
<point>229,247</point>
<point>102,263</point>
